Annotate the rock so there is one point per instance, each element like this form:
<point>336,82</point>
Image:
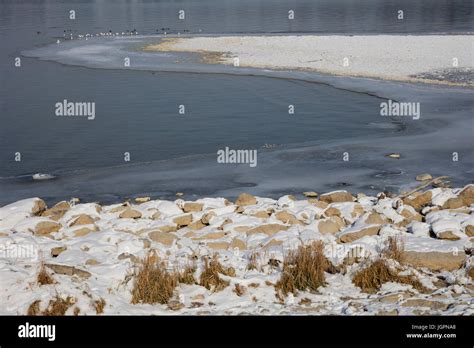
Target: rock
<point>46,227</point>
<point>467,195</point>
<point>319,204</point>
<point>83,219</point>
<point>246,199</point>
<point>435,260</point>
<point>170,228</point>
<point>331,211</point>
<point>375,218</point>
<point>393,155</point>
<point>68,270</point>
<point>38,207</point>
<point>448,235</point>
<point>331,225</point>
<point>83,231</point>
<point>130,214</point>
<point>142,199</point>
<point>92,262</point>
<point>190,207</point>
<point>418,201</point>
<point>287,218</point>
<point>336,196</point>
<point>262,214</point>
<point>268,229</point>
<point>347,237</point>
<point>470,272</point>
<point>57,250</point>
<point>423,177</point>
<point>131,257</point>
<point>156,215</point>
<point>453,203</point>
<point>213,235</point>
<point>238,243</point>
<point>206,217</point>
<point>310,194</point>
<point>162,237</point>
<point>196,225</point>
<point>120,208</point>
<point>183,220</point>
<point>419,302</point>
<point>58,211</point>
<point>469,230</point>
<point>218,245</point>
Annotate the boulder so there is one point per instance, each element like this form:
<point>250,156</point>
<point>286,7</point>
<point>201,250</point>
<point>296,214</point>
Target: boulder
<point>352,235</point>
<point>246,199</point>
<point>162,237</point>
<point>68,270</point>
<point>467,195</point>
<point>268,229</point>
<point>336,196</point>
<point>57,250</point>
<point>82,219</point>
<point>418,200</point>
<point>46,227</point>
<point>310,194</point>
<point>423,177</point>
<point>183,220</point>
<point>130,214</point>
<point>435,260</point>
<point>190,207</point>
<point>454,203</point>
<point>58,211</point>
<point>287,218</point>
<point>330,225</point>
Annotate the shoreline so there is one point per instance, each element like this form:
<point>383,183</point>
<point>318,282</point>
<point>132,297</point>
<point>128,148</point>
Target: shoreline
<point>418,58</point>
<point>77,246</point>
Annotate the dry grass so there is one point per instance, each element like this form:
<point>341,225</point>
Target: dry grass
<point>153,283</point>
<point>99,306</point>
<point>187,275</point>
<point>395,249</point>
<point>303,269</point>
<point>58,306</point>
<point>239,290</point>
<point>371,278</point>
<point>34,308</point>
<point>43,277</point>
<point>210,275</point>
<point>253,262</point>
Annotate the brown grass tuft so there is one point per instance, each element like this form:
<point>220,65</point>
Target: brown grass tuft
<point>99,306</point>
<point>395,249</point>
<point>34,308</point>
<point>210,275</point>
<point>153,283</point>
<point>43,277</point>
<point>371,278</point>
<point>303,269</point>
<point>253,262</point>
<point>58,306</point>
<point>187,275</point>
<point>239,290</point>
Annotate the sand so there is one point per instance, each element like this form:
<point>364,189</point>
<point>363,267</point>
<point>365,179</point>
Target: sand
<point>394,57</point>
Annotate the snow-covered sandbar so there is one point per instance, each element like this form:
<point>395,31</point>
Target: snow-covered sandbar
<point>428,58</point>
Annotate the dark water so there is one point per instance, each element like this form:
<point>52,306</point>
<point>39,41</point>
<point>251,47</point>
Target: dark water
<point>137,111</point>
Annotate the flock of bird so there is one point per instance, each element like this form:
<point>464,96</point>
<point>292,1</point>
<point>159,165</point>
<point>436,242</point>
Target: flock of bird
<point>67,34</point>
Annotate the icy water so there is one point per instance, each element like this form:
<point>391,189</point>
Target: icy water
<point>137,111</point>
